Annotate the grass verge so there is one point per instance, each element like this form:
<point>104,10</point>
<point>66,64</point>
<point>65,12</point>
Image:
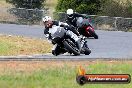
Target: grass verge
<point>17,45</point>
<point>58,74</point>
<point>4,4</point>
<point>51,4</point>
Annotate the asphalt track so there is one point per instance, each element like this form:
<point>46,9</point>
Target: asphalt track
<point>110,45</point>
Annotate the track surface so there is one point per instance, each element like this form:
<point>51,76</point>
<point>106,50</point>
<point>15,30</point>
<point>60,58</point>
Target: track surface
<point>111,44</point>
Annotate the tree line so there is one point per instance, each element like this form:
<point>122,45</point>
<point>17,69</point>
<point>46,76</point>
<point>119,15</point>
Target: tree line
<point>97,7</point>
<point>28,4</point>
<point>90,7</point>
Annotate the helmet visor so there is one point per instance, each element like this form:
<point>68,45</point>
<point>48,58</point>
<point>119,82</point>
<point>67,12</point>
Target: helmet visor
<point>48,24</point>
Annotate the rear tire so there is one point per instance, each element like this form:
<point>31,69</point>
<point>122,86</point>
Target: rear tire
<point>71,48</point>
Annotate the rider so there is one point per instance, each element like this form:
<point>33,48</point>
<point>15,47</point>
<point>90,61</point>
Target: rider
<point>50,27</point>
<point>72,20</point>
<point>72,17</point>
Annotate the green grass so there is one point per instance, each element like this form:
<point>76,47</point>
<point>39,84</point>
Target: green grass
<point>4,4</point>
<point>51,4</point>
<point>16,45</point>
<point>130,30</point>
<point>62,77</point>
<point>5,47</point>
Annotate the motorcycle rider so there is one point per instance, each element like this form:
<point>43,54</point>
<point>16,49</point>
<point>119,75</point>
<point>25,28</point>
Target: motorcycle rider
<point>72,17</point>
<point>50,27</point>
<point>79,21</point>
<point>72,20</point>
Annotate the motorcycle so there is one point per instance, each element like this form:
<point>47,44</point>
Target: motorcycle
<point>67,44</point>
<point>85,28</point>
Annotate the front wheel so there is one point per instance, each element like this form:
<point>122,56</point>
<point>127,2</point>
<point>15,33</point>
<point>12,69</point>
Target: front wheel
<point>71,48</point>
<point>93,34</point>
<point>87,51</point>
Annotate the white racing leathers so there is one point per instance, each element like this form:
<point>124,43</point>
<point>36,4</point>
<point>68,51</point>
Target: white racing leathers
<point>51,31</point>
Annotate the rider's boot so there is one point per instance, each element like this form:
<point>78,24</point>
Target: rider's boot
<point>78,44</point>
<point>85,44</point>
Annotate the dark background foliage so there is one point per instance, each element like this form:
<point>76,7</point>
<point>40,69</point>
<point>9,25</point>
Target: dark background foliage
<point>28,4</point>
<point>97,7</point>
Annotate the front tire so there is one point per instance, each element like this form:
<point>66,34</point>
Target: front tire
<point>93,34</point>
<point>71,48</point>
<point>87,51</point>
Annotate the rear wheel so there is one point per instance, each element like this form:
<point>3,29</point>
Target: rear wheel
<point>71,48</point>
